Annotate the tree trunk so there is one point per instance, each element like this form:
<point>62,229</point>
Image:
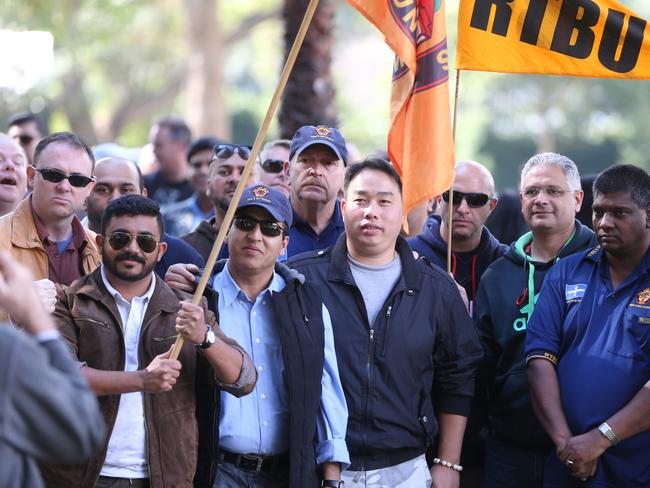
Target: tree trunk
<point>206,112</point>
<point>309,96</point>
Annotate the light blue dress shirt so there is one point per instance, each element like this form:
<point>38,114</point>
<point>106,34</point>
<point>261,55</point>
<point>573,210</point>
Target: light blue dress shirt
<point>259,423</point>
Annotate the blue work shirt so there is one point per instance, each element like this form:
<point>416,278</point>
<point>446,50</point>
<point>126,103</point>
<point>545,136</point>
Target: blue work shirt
<point>259,423</point>
<point>303,238</point>
<point>599,338</point>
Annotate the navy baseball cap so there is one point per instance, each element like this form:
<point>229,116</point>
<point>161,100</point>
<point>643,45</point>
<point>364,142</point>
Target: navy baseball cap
<point>270,199</point>
<point>308,135</point>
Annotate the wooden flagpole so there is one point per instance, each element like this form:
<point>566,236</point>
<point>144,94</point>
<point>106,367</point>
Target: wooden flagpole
<point>284,77</point>
<point>451,190</point>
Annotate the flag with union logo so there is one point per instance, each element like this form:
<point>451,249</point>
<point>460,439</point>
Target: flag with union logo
<point>420,143</point>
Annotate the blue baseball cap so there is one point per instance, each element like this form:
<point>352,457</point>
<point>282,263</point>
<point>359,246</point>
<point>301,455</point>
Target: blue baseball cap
<point>270,199</point>
<point>308,135</point>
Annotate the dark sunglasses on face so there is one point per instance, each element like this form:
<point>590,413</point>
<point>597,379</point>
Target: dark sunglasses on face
<point>56,176</point>
<point>474,200</point>
<point>224,151</point>
<point>273,165</point>
<point>267,227</point>
<point>119,240</point>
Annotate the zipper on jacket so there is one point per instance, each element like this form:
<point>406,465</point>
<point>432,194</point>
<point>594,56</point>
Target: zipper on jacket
<point>371,340</point>
<point>388,311</point>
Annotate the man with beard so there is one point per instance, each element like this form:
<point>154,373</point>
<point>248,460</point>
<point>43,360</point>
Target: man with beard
<point>185,216</point>
<point>226,167</point>
<point>13,174</point>
<point>115,178</point>
<point>120,322</point>
<point>317,160</point>
<point>588,345</point>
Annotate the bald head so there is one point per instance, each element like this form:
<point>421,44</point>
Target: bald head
<point>13,173</point>
<point>116,177</point>
<point>471,170</point>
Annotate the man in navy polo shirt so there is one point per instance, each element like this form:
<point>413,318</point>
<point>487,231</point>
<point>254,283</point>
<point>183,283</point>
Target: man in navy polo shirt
<point>317,160</point>
<point>588,345</point>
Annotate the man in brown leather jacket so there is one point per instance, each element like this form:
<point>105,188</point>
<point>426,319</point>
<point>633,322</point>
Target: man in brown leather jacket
<point>121,322</point>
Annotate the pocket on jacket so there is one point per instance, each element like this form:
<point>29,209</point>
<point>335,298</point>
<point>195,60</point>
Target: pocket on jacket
<point>635,341</point>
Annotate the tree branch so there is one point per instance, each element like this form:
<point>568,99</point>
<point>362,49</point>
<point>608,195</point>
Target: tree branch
<point>248,24</point>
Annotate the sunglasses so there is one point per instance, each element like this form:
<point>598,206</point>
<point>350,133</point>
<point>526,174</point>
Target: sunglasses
<point>273,165</point>
<point>119,240</point>
<point>474,200</point>
<point>56,176</point>
<point>267,227</point>
<point>224,151</point>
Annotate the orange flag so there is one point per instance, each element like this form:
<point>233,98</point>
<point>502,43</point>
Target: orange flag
<point>595,38</point>
<point>420,141</point>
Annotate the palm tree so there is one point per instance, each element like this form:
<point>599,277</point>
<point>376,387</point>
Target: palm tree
<point>309,95</point>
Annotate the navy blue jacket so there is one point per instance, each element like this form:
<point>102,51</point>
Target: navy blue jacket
<point>417,358</point>
<point>178,251</point>
<point>467,267</point>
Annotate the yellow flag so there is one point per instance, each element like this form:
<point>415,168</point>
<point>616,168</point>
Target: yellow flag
<point>595,38</point>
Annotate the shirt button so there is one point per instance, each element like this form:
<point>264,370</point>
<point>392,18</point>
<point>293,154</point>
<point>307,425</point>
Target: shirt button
<point>264,302</point>
<point>259,368</point>
<point>254,313</point>
<point>262,396</point>
<point>258,340</point>
<point>265,423</point>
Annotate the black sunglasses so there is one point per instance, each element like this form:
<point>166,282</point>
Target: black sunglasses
<point>119,240</point>
<point>474,200</point>
<point>267,227</point>
<point>56,176</point>
<point>224,151</point>
<point>273,165</point>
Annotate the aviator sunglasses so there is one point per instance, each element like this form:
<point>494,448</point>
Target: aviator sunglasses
<point>474,200</point>
<point>119,240</point>
<point>267,227</point>
<point>56,176</point>
<point>224,151</point>
<point>273,165</point>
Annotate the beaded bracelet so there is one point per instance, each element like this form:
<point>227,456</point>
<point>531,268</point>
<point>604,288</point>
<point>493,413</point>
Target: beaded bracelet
<point>447,464</point>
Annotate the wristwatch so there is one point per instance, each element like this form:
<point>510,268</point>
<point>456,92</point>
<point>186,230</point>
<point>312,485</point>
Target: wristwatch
<point>607,431</point>
<point>210,338</point>
<point>332,483</point>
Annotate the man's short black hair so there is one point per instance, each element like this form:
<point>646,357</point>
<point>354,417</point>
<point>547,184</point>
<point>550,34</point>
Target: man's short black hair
<point>625,178</point>
<point>202,144</point>
<point>25,118</point>
<point>69,138</point>
<point>375,164</point>
<point>178,129</point>
<point>132,205</point>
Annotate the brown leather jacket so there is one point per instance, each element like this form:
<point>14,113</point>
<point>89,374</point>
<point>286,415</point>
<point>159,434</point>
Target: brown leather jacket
<point>88,318</point>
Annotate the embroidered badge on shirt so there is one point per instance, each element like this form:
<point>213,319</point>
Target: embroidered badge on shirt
<point>572,292</point>
<point>644,320</point>
<point>643,297</point>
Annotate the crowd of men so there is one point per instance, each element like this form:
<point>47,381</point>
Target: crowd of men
<point>329,348</point>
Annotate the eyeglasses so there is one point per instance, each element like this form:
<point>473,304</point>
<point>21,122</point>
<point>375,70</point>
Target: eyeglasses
<point>267,227</point>
<point>224,151</point>
<point>56,176</point>
<point>474,200</point>
<point>551,191</point>
<point>273,165</point>
<point>119,240</point>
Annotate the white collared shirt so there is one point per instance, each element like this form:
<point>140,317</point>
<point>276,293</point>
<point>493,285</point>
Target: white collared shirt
<point>126,456</point>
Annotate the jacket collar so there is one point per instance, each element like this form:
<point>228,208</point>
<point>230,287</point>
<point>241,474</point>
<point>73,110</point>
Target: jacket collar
<point>339,269</point>
<point>23,228</point>
<point>163,297</point>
